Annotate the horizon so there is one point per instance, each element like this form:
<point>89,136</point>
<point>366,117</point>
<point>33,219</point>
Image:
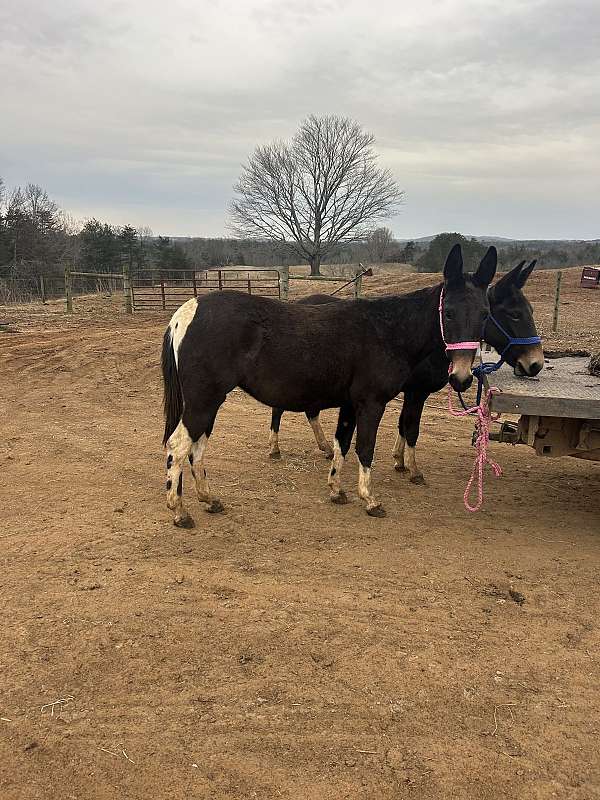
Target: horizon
<point>481,238</point>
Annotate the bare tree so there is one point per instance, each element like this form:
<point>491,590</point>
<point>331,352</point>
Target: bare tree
<point>318,191</point>
<point>145,235</point>
<point>38,206</point>
<point>15,220</point>
<point>379,244</point>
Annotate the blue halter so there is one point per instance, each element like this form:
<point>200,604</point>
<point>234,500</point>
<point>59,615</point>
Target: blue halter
<point>487,367</point>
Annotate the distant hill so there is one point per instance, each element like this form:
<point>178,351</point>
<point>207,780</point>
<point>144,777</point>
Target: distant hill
<point>503,240</point>
<point>424,240</point>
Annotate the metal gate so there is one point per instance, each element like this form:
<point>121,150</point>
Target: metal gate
<point>165,291</point>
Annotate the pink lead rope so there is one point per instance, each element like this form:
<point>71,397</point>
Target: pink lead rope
<point>482,425</point>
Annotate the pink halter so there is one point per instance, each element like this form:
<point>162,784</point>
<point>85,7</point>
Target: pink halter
<point>453,345</point>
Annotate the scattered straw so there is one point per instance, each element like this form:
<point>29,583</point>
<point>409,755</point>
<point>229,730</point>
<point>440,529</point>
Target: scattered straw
<point>122,754</point>
<point>60,702</point>
<point>110,752</point>
<point>501,705</point>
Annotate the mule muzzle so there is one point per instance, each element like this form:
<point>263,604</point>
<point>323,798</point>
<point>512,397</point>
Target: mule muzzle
<point>460,384</point>
<point>460,375</point>
<point>530,363</point>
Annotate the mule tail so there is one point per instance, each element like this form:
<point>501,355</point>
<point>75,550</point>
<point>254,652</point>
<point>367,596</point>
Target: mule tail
<point>172,397</point>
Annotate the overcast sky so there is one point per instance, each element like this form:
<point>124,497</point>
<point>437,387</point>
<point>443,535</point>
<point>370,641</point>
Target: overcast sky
<point>142,112</point>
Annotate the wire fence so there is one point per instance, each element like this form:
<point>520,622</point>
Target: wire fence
<point>41,288</point>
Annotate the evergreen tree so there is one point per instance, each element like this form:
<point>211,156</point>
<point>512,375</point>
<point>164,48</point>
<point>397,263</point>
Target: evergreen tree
<point>408,253</point>
<point>434,257</point>
<point>100,247</point>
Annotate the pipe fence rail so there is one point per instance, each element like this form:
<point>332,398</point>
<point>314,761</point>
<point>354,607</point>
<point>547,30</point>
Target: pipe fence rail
<point>160,290</point>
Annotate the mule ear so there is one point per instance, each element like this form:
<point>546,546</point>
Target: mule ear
<point>487,268</point>
<point>453,268</point>
<point>510,279</point>
<point>525,273</point>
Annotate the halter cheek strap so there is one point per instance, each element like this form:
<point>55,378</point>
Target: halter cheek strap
<point>452,345</point>
<point>510,340</point>
<point>488,367</point>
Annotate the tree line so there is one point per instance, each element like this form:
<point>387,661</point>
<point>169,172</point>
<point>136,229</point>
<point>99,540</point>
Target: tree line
<point>549,254</point>
<point>35,234</point>
<point>39,238</point>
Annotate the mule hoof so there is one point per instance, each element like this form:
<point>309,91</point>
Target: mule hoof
<point>418,479</point>
<point>340,499</point>
<point>216,507</point>
<point>275,456</point>
<point>400,468</point>
<point>184,522</point>
<point>376,511</point>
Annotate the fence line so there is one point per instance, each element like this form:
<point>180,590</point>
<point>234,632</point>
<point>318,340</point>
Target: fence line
<point>158,289</point>
<point>155,290</point>
<point>355,280</point>
<point>42,288</point>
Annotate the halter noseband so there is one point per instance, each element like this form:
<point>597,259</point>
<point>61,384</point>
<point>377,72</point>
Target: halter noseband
<point>452,345</point>
<point>487,367</point>
<point>510,341</point>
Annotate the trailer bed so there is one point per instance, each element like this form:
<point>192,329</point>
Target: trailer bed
<point>564,389</point>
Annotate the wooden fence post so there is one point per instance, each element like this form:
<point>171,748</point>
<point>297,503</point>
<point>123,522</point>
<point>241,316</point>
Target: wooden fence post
<point>284,282</point>
<point>162,295</point>
<point>127,302</point>
<point>358,286</point>
<point>68,288</point>
<point>556,301</point>
<point>43,289</point>
<point>194,283</point>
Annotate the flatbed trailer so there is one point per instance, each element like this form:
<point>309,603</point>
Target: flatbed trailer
<point>559,411</point>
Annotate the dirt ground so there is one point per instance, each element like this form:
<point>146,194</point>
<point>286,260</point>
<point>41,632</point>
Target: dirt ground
<point>288,648</point>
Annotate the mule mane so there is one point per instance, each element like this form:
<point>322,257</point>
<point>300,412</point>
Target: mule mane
<point>409,319</point>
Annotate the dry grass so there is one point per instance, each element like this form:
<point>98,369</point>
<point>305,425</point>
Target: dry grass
<point>579,314</point>
<point>579,319</point>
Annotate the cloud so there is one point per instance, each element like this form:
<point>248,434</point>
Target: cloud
<point>487,112</point>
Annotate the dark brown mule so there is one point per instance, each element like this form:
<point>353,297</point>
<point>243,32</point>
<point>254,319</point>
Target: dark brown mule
<point>354,355</point>
<point>314,422</point>
<point>510,313</point>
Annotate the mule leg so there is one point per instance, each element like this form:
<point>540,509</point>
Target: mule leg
<point>398,451</point>
<point>179,445</point>
<point>413,403</point>
<point>213,504</point>
<point>320,439</point>
<point>341,445</point>
<point>368,419</point>
<point>201,425</point>
<point>276,414</point>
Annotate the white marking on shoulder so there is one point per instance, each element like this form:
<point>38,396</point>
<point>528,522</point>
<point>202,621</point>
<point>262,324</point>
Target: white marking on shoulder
<point>180,322</point>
